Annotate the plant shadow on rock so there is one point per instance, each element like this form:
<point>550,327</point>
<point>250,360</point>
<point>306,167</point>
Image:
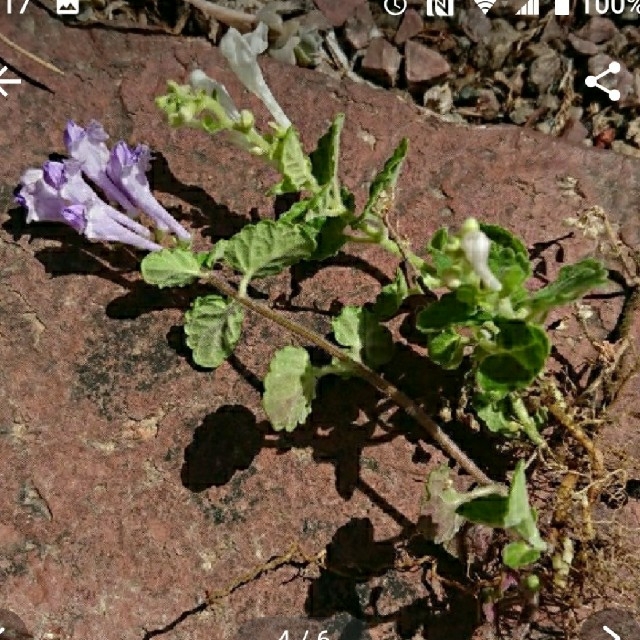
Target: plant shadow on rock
<point>214,219</point>
<point>227,441</point>
<point>354,558</point>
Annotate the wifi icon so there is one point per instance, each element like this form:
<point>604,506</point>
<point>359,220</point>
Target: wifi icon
<point>485,5</point>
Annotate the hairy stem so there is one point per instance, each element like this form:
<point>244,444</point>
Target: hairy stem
<point>383,386</point>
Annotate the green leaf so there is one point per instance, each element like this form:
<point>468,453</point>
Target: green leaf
<point>520,516</point>
<point>508,259</point>
<point>324,160</point>
<point>268,247</point>
<point>573,282</point>
<point>514,360</point>
<point>213,327</point>
<point>518,501</point>
<point>519,554</point>
<point>442,261</point>
<point>298,211</point>
<point>208,259</point>
<point>391,297</point>
<point>289,388</point>
<point>443,503</point>
<point>329,236</point>
<point>496,415</point>
<point>382,188</point>
<point>488,510</point>
<point>445,312</point>
<point>368,341</point>
<point>446,348</point>
<point>291,161</point>
<point>170,268</point>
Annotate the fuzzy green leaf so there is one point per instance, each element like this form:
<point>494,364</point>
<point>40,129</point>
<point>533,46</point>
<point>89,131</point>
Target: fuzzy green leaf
<point>291,161</point>
<point>368,341</point>
<point>213,327</point>
<point>520,516</point>
<point>446,348</point>
<point>515,359</point>
<point>508,258</point>
<point>324,160</point>
<point>496,415</point>
<point>443,503</point>
<point>572,283</point>
<point>382,188</point>
<point>519,554</point>
<point>445,312</point>
<point>391,297</point>
<point>208,259</point>
<point>488,510</point>
<point>289,388</point>
<point>170,268</point>
<point>268,247</point>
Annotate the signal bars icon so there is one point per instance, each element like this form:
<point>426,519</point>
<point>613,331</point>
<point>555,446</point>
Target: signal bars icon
<point>531,8</point>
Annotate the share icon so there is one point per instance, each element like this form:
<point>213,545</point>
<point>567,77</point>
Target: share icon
<point>592,81</point>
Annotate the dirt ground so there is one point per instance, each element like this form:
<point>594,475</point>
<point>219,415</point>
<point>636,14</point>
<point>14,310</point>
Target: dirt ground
<point>142,497</point>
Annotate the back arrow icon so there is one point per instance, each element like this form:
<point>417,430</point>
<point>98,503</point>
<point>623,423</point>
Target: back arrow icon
<point>7,81</point>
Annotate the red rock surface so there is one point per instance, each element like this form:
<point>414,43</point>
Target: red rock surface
<point>106,531</point>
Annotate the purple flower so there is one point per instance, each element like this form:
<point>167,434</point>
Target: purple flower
<point>121,174</point>
<point>88,147</point>
<point>127,169</point>
<point>58,193</point>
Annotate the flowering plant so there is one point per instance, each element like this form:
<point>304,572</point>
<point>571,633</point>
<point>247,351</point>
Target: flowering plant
<point>484,320</point>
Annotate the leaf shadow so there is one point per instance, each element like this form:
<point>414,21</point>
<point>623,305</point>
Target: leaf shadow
<point>354,558</point>
<point>226,441</point>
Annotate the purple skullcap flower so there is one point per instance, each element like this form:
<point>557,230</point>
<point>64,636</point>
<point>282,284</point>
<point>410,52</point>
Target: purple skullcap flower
<point>119,173</point>
<point>127,169</point>
<point>88,147</point>
<point>58,193</point>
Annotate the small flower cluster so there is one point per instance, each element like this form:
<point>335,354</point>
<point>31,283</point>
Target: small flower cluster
<point>205,103</point>
<point>58,192</point>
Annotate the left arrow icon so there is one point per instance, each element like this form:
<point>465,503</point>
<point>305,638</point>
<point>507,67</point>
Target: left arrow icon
<point>7,81</point>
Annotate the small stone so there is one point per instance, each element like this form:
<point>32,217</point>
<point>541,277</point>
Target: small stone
<point>545,70</point>
<point>522,111</point>
<point>315,20</point>
<point>357,34</point>
<point>598,30</point>
<point>574,131</point>
<point>475,24</point>
<point>338,12</point>
<point>585,47</point>
<point>438,99</point>
<point>488,105</point>
<point>553,32</point>
<point>633,131</point>
<point>361,28</point>
<point>411,25</point>
<point>423,64</point>
<point>622,147</point>
<point>381,62</point>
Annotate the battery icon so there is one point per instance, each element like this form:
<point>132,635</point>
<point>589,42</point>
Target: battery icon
<point>562,8</point>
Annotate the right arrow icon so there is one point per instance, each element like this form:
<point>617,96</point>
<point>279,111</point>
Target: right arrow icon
<point>617,624</point>
<point>7,81</point>
<point>614,635</point>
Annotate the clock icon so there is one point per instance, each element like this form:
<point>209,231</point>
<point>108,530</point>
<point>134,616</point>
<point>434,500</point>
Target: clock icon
<point>395,7</point>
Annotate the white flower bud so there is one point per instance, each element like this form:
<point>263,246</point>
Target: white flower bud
<point>241,51</point>
<point>198,79</point>
<point>475,245</point>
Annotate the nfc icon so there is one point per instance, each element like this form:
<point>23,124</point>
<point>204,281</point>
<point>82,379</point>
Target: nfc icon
<point>440,8</point>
